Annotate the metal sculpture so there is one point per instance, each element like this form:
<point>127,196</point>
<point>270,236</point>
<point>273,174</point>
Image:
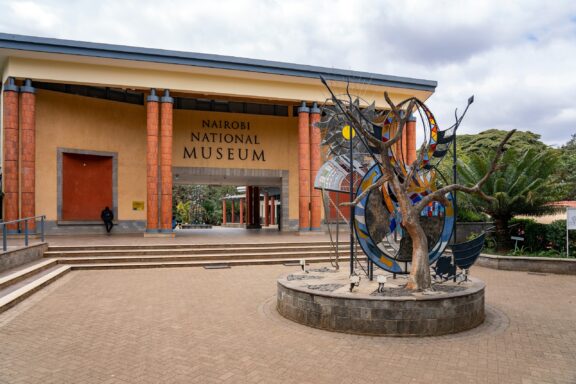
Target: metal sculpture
<point>376,216</point>
<point>392,197</point>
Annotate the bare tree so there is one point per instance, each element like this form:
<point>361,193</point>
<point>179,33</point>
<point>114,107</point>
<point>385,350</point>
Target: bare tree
<point>419,278</point>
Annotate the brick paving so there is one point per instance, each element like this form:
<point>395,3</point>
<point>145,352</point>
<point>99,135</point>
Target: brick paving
<point>191,325</point>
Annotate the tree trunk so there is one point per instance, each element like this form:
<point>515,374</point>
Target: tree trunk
<point>419,279</point>
<point>502,238</point>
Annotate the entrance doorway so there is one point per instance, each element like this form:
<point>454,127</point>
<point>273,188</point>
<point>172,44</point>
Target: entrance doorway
<point>252,207</point>
<point>86,187</point>
<point>253,198</point>
<point>205,206</point>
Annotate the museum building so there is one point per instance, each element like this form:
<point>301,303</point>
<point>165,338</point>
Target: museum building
<point>89,125</point>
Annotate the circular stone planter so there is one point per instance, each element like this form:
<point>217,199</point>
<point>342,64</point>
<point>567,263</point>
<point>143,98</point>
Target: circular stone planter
<point>321,299</point>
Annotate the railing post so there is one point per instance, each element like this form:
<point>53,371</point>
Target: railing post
<point>25,232</point>
<point>42,228</point>
<point>4,238</point>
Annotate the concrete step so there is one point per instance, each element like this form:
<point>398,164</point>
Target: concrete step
<point>204,263</point>
<point>178,246</point>
<point>22,283</point>
<point>17,292</point>
<point>167,251</point>
<point>16,275</point>
<point>196,257</point>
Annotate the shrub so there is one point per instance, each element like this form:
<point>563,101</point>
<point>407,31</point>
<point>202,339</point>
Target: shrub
<point>534,234</point>
<point>472,236</point>
<point>470,216</point>
<point>543,239</point>
<point>556,235</point>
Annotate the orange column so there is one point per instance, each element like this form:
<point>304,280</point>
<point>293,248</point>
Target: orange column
<point>315,163</point>
<point>266,210</point>
<point>411,139</point>
<point>223,212</point>
<point>28,161</point>
<point>11,151</point>
<point>232,216</point>
<point>166,103</point>
<point>241,211</point>
<point>403,144</point>
<point>272,210</point>
<point>152,116</point>
<point>304,167</point>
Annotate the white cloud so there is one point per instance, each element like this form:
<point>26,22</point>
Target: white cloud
<point>517,57</point>
<point>31,14</point>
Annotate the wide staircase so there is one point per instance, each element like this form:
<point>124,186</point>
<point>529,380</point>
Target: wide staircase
<point>21,282</point>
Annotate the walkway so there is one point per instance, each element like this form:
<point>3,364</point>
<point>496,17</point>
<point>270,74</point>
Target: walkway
<point>194,236</point>
<point>192,325</point>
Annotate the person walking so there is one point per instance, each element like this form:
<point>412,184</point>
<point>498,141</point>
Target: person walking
<point>107,216</point>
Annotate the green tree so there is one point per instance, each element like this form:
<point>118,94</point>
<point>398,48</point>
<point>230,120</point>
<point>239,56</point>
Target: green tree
<point>479,144</point>
<point>205,201</point>
<point>489,140</point>
<point>523,186</point>
<point>183,211</point>
<point>566,172</point>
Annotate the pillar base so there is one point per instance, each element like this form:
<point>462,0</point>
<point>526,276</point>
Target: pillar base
<point>233,225</point>
<point>160,234</point>
<point>311,233</point>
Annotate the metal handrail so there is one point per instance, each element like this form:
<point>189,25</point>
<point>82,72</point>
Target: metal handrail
<point>25,220</point>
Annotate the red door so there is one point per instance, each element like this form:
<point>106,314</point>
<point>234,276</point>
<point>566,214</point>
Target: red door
<point>86,186</point>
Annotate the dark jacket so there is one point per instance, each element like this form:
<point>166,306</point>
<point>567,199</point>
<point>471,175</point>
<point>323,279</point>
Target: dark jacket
<point>107,215</point>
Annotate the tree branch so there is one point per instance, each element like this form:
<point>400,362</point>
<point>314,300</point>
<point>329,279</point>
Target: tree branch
<point>358,126</point>
<point>476,189</point>
<point>372,187</point>
<point>414,165</point>
<point>401,120</point>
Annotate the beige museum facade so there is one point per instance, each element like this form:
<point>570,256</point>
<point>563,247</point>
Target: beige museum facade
<point>87,124</point>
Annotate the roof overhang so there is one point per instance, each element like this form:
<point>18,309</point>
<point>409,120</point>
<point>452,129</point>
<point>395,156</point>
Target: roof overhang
<point>47,59</point>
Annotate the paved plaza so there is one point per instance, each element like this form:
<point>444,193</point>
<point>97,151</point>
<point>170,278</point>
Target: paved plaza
<point>191,325</point>
<point>214,235</point>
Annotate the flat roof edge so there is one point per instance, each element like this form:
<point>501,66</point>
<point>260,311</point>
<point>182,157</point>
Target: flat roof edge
<point>121,52</point>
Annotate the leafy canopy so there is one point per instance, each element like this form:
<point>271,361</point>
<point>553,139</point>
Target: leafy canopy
<point>522,186</point>
<point>566,172</point>
<point>488,141</point>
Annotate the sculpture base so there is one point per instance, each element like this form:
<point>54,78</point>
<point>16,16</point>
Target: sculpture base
<point>321,299</point>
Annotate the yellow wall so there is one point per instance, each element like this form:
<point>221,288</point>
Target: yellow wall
<point>91,124</point>
<point>209,81</point>
<point>274,144</point>
<point>69,121</point>
<point>83,123</point>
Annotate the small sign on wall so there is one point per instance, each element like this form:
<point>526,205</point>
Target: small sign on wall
<point>137,205</point>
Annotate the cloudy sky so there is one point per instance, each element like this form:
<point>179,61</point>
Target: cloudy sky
<point>517,57</point>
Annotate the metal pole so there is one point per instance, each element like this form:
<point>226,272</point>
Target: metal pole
<point>455,174</point>
<point>26,233</point>
<point>351,192</point>
<point>371,264</point>
<point>337,222</point>
<point>4,238</point>
<point>567,241</point>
